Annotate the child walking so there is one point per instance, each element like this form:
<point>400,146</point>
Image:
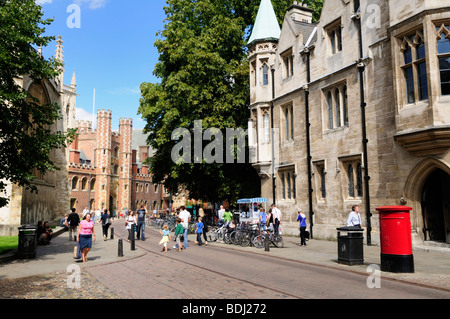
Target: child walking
<point>178,234</point>
<point>199,231</point>
<point>166,237</point>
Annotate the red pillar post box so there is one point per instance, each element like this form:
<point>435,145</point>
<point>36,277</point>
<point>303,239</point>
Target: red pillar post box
<point>395,239</point>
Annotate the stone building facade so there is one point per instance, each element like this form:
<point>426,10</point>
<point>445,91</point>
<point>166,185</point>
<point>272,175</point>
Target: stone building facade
<point>51,201</point>
<point>354,110</point>
<point>106,169</point>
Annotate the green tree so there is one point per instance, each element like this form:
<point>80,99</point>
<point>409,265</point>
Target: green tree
<point>204,75</point>
<point>26,137</point>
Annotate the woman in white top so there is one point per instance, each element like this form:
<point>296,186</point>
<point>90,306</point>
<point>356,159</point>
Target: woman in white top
<point>354,218</point>
<point>130,225</point>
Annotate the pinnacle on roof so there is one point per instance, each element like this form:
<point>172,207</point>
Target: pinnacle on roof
<point>59,49</point>
<point>266,25</point>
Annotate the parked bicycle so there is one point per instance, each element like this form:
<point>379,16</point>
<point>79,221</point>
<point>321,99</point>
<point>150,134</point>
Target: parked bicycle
<point>276,240</point>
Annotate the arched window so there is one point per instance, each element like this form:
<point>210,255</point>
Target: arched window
<point>345,104</point>
<point>93,184</point>
<point>351,183</point>
<point>330,110</point>
<point>323,188</point>
<point>359,180</point>
<point>74,183</point>
<point>337,107</point>
<point>84,184</point>
<point>414,67</point>
<point>289,186</point>
<point>286,113</point>
<point>265,74</point>
<point>443,48</point>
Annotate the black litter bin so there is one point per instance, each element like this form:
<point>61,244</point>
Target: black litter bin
<point>27,242</point>
<point>350,245</point>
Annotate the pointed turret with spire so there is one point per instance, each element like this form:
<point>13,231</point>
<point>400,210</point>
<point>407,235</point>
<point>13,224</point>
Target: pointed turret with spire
<point>262,50</point>
<point>266,27</point>
<point>73,83</point>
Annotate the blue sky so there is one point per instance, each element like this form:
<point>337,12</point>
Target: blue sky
<point>112,51</point>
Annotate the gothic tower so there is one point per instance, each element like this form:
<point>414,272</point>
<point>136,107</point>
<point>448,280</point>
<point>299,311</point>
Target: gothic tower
<point>262,47</point>
<point>103,155</point>
<point>125,163</point>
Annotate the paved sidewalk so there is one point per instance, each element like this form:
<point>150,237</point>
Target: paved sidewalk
<point>431,268</point>
<point>57,256</point>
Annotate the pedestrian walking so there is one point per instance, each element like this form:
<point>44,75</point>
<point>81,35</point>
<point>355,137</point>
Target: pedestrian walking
<point>185,217</point>
<point>165,237</point>
<point>199,231</point>
<point>227,217</point>
<point>86,235</point>
<point>302,219</point>
<point>106,222</point>
<point>74,221</point>
<point>130,224</point>
<point>205,230</point>
<point>220,214</point>
<point>141,213</point>
<point>178,234</point>
<point>276,219</point>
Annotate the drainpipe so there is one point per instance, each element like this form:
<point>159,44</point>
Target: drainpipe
<point>273,141</point>
<point>308,142</point>
<point>361,67</point>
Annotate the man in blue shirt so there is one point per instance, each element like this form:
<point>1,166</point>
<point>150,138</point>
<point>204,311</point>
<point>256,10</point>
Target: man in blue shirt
<point>141,222</point>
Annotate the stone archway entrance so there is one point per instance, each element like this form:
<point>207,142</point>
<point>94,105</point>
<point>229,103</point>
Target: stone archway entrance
<point>435,203</point>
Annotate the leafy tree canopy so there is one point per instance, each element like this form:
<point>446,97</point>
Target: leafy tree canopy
<point>204,75</point>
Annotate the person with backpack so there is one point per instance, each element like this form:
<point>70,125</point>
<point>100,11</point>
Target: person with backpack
<point>74,221</point>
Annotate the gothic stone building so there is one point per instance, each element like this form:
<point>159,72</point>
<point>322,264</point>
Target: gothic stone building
<point>356,109</point>
<point>106,170</point>
<point>51,201</point>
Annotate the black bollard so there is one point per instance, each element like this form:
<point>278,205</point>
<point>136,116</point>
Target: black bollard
<point>133,246</point>
<point>120,248</point>
<point>266,243</point>
<point>112,232</point>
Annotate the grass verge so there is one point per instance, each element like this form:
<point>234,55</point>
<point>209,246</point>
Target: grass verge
<point>8,243</point>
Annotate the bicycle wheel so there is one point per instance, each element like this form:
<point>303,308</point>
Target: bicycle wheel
<point>227,238</point>
<point>220,234</point>
<point>245,240</point>
<point>235,237</point>
<point>258,241</point>
<point>278,241</point>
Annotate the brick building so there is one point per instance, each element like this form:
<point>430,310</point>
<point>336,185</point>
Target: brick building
<point>106,170</point>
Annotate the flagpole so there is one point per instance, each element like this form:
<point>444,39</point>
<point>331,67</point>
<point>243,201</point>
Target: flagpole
<point>93,111</point>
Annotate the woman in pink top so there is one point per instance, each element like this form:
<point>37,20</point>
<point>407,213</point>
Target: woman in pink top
<point>86,233</point>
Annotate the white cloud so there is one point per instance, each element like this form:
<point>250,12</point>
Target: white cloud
<point>125,91</point>
<point>41,2</point>
<point>82,115</point>
<point>93,4</point>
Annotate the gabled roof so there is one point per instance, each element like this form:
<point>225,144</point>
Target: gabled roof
<point>266,25</point>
